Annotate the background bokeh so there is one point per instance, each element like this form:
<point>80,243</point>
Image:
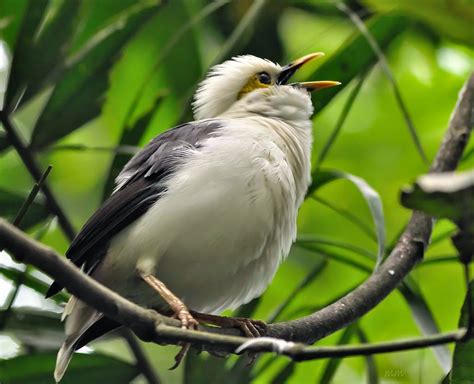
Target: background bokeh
<point>144,86</point>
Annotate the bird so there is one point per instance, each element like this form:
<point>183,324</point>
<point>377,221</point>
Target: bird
<point>201,218</point>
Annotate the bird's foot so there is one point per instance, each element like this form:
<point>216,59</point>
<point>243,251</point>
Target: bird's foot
<point>181,312</point>
<point>187,320</point>
<point>249,327</point>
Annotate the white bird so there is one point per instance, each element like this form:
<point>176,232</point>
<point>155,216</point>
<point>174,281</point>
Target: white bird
<point>201,218</point>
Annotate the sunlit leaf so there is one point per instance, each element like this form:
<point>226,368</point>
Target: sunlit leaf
<point>454,18</point>
<point>332,364</point>
<point>372,375</point>
<point>314,272</point>
<point>356,56</point>
<point>424,317</point>
<point>322,177</point>
<point>50,49</point>
<point>93,368</point>
<point>24,46</point>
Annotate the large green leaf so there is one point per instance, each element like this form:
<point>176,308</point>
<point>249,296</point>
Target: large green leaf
<point>39,329</point>
<point>51,47</point>
<point>10,204</point>
<point>24,46</point>
<point>332,364</point>
<point>322,177</point>
<point>93,368</point>
<point>78,96</point>
<point>463,358</point>
<point>453,18</point>
<point>356,56</point>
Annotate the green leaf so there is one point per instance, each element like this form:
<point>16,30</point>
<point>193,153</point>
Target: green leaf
<point>284,374</point>
<point>11,16</point>
<point>372,376</point>
<point>463,362</point>
<point>24,46</point>
<point>78,97</point>
<point>424,317</point>
<point>39,329</point>
<point>93,368</point>
<point>356,56</point>
<point>454,18</point>
<point>322,177</point>
<point>325,240</point>
<point>332,364</point>
<point>50,50</point>
<point>11,202</point>
<point>315,271</point>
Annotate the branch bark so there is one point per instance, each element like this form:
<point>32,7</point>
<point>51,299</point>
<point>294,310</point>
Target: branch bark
<point>151,326</point>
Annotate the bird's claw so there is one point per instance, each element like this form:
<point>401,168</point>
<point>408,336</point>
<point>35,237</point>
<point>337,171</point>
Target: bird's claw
<point>250,327</point>
<point>187,322</point>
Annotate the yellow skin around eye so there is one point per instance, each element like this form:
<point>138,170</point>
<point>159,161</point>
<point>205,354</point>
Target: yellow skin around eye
<point>251,85</point>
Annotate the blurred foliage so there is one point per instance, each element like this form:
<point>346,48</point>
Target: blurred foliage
<point>463,363</point>
<point>88,76</point>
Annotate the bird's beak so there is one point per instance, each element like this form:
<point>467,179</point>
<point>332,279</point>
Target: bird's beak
<point>290,69</point>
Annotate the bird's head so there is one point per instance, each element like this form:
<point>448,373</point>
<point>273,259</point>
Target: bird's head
<point>246,76</point>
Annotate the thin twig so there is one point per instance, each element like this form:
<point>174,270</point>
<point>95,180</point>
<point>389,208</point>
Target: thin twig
<point>119,149</point>
<point>386,68</point>
<point>31,197</point>
<point>377,348</point>
<point>31,164</point>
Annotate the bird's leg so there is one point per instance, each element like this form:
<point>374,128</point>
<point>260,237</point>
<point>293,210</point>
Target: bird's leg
<point>181,312</point>
<point>250,327</point>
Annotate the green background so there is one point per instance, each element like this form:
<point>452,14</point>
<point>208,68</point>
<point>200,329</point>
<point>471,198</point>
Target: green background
<point>147,81</point>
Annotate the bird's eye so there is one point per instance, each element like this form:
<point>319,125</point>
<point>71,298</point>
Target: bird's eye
<point>264,78</point>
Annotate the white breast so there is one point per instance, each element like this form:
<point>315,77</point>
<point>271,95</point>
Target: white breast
<point>217,236</point>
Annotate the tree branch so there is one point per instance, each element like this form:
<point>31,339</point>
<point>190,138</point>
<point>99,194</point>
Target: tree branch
<point>151,326</point>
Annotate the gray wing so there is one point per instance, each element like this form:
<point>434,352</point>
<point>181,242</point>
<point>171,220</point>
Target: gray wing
<point>139,186</point>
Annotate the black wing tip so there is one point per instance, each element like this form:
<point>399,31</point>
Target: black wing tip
<point>53,289</point>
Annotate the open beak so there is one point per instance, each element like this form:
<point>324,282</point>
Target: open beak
<point>290,69</point>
